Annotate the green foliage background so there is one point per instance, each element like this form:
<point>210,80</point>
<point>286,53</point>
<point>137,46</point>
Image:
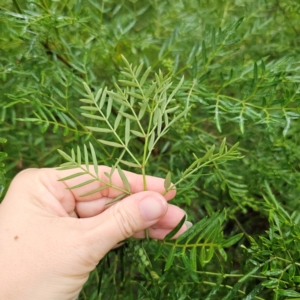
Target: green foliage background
<point>240,60</point>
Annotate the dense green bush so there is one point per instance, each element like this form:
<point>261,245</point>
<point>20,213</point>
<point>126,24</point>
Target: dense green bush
<point>241,68</point>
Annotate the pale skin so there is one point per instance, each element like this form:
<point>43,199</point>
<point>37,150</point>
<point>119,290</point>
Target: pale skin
<point>51,238</point>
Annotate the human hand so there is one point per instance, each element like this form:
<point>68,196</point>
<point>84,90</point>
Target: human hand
<point>47,252</point>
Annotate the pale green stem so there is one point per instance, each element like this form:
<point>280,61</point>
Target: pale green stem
<point>145,151</point>
<point>102,181</point>
<point>116,135</point>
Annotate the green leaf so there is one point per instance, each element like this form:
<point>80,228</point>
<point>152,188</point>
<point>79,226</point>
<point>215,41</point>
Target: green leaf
<point>70,167</point>
<point>223,253</point>
<point>210,254</point>
<point>124,180</point>
<point>137,133</point>
<point>73,155</point>
<point>55,128</point>
<point>88,90</point>
<point>150,90</point>
<point>109,107</point>
<point>202,256</point>
<point>274,272</point>
<point>170,258</point>
<point>193,258</point>
<point>176,229</point>
<point>158,251</point>
<point>91,108</point>
<point>126,74</point>
<point>214,290</point>
<point>45,126</point>
<point>151,142</point>
<point>81,184</point>
<point>127,131</point>
<point>88,101</point>
<point>98,95</point>
<point>142,111</point>
<point>144,77</point>
<point>65,155</point>
<point>166,119</point>
<point>232,294</point>
<point>167,181</point>
<point>177,117</point>
<point>112,144</point>
<point>86,158</point>
<point>72,176</point>
<point>232,240</point>
<point>94,191</point>
<point>78,155</point>
<point>288,293</point>
<point>126,115</point>
<point>95,162</point>
<point>126,62</point>
<point>69,120</point>
<point>297,279</point>
<point>118,98</point>
<point>103,98</point>
<point>213,229</point>
<point>130,164</point>
<point>194,230</point>
<point>254,292</point>
<point>208,154</point>
<point>137,96</point>
<point>159,122</point>
<point>118,119</point>
<point>94,117</point>
<point>97,129</point>
<point>253,271</point>
<point>222,146</point>
<point>118,198</point>
<point>271,284</point>
<point>176,89</point>
<point>128,83</point>
<point>155,116</point>
<point>171,110</point>
<point>292,271</point>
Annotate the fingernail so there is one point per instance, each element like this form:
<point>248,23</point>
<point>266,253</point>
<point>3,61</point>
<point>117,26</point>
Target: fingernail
<point>188,224</point>
<point>152,208</point>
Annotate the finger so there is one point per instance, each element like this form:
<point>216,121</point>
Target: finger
<point>167,223</point>
<point>172,217</point>
<point>92,208</point>
<point>160,233</point>
<point>135,181</point>
<point>44,189</point>
<point>122,220</point>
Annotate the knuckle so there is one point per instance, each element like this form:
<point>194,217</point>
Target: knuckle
<point>127,224</point>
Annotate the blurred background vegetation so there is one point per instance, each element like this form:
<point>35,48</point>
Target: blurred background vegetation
<point>241,64</point>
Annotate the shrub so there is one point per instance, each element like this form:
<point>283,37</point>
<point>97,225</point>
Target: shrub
<point>228,69</point>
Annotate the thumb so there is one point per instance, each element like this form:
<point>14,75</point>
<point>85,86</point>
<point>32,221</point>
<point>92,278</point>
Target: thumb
<point>120,221</point>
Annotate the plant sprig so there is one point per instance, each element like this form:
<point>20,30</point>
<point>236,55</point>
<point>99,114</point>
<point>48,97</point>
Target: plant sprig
<point>138,104</point>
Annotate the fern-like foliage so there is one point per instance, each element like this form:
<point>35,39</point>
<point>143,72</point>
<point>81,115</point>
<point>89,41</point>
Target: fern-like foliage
<point>198,245</point>
<point>240,64</point>
<point>147,112</point>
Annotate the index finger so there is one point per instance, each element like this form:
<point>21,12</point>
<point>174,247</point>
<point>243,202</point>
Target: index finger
<point>110,187</point>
